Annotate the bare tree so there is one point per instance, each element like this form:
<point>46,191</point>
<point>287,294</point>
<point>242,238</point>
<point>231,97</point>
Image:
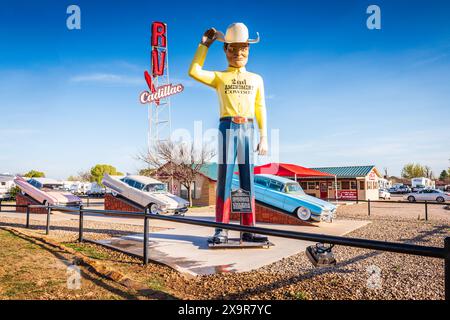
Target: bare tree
<point>428,172</point>
<point>180,161</point>
<point>85,176</point>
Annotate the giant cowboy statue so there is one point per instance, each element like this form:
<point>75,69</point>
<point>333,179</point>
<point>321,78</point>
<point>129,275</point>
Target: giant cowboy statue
<point>241,98</point>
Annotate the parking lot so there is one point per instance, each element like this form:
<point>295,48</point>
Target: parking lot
<point>390,209</point>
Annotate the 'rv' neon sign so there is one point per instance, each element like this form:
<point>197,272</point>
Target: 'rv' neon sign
<point>158,68</point>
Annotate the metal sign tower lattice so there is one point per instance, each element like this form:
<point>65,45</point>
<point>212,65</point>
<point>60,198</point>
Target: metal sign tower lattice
<point>159,115</point>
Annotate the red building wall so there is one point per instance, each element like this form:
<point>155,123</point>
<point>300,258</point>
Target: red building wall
<point>113,203</point>
<point>25,200</point>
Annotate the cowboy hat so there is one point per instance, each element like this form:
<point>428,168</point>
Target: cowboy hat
<point>236,33</point>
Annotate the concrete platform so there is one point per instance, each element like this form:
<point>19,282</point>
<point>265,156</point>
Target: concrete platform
<point>184,247</point>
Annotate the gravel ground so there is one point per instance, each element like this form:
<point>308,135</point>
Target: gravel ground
<point>398,211</point>
<point>399,277</point>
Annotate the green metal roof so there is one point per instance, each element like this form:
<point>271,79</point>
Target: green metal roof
<point>210,170</point>
<point>347,172</point>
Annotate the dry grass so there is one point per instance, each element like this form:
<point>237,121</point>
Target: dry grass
<point>32,271</point>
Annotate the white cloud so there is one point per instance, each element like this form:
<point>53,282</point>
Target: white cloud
<point>107,78</point>
<point>5,132</point>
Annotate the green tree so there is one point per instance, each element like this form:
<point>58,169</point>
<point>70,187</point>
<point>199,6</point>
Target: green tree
<point>13,191</point>
<point>413,170</point>
<point>35,174</point>
<point>444,175</point>
<point>148,172</point>
<point>99,170</point>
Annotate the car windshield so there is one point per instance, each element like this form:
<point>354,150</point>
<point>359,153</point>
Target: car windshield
<point>294,188</point>
<point>52,187</point>
<point>155,187</point>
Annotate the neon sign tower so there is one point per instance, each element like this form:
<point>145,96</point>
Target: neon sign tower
<point>159,111</point>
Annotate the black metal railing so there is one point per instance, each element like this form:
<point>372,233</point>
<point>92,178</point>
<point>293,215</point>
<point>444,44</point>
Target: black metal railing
<point>404,248</point>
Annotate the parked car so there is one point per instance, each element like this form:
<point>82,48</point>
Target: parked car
<point>400,189</point>
<point>47,191</point>
<point>147,192</point>
<point>384,194</point>
<point>417,188</point>
<point>392,190</point>
<point>428,195</point>
<point>289,196</point>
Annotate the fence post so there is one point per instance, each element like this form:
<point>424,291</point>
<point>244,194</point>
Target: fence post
<point>28,217</point>
<point>447,267</point>
<point>47,228</point>
<point>80,231</point>
<point>426,210</point>
<point>368,207</point>
<point>146,235</point>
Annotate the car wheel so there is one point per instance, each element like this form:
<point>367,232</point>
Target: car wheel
<point>303,213</point>
<point>411,199</point>
<point>153,208</point>
<point>440,199</point>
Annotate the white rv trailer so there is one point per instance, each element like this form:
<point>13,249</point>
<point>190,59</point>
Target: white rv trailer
<point>79,187</point>
<point>6,183</point>
<point>96,190</point>
<point>422,182</point>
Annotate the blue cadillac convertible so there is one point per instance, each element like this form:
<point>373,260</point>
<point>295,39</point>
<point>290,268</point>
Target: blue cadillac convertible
<point>289,196</point>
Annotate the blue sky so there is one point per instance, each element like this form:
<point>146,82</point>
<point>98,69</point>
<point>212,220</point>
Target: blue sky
<point>339,93</point>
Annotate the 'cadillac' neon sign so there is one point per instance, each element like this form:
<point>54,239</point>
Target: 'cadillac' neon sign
<point>160,93</point>
<point>158,67</point>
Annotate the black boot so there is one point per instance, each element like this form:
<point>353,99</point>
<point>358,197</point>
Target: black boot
<point>251,237</point>
<point>220,236</point>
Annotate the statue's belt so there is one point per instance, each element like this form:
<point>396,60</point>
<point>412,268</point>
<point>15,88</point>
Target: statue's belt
<point>237,119</point>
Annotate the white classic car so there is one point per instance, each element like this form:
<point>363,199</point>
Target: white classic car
<point>147,192</point>
<point>384,194</point>
<point>428,195</point>
<point>47,191</point>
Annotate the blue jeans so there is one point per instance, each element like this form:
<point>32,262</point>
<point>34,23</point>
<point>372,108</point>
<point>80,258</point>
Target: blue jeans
<point>235,143</point>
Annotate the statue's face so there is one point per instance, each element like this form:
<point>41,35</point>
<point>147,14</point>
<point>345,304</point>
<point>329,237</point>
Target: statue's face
<point>237,54</point>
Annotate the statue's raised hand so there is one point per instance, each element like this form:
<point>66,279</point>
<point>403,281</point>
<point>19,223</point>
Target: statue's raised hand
<point>209,37</point>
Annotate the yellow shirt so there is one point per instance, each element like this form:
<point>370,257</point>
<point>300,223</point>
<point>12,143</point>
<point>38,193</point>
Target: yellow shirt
<point>241,93</point>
